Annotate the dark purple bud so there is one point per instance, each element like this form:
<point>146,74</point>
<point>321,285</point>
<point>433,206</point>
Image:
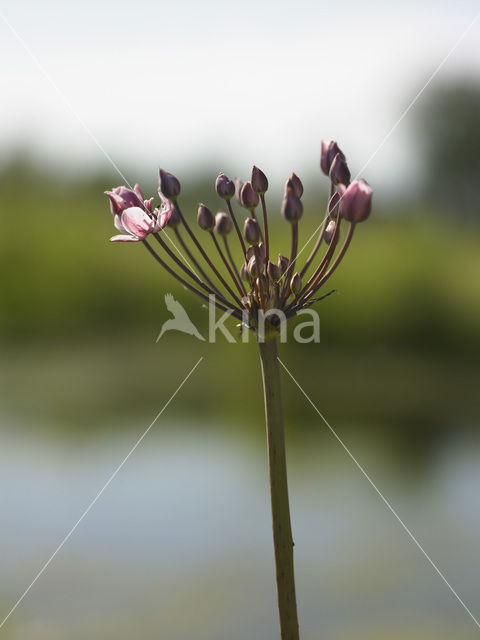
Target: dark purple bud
<point>329,231</point>
<point>244,273</point>
<point>292,208</point>
<point>251,231</point>
<point>333,205</point>
<point>168,185</point>
<point>339,171</point>
<point>259,181</point>
<point>223,224</point>
<point>248,197</point>
<point>356,201</point>
<point>253,267</point>
<point>282,263</point>
<point>328,156</point>
<point>295,184</point>
<point>225,187</point>
<point>296,284</point>
<point>273,271</point>
<point>174,219</point>
<point>205,218</point>
<point>238,190</point>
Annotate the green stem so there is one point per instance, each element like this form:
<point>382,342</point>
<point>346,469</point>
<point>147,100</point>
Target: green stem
<point>282,530</point>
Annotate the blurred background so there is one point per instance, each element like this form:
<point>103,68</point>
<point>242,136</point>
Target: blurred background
<point>179,545</point>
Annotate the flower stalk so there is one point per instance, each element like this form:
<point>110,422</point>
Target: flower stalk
<point>277,463</point>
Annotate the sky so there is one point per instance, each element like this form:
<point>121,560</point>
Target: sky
<point>196,85</point>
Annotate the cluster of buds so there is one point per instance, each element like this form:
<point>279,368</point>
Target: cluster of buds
<point>258,282</point>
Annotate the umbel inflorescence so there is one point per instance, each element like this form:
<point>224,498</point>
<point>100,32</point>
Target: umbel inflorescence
<point>260,284</point>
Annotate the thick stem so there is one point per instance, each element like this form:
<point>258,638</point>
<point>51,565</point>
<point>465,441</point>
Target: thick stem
<point>282,531</point>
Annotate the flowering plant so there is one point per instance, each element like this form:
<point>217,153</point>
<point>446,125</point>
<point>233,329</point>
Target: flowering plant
<point>261,292</point>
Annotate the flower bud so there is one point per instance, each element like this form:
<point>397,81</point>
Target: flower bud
<point>296,284</point>
<point>282,263</point>
<point>205,218</point>
<point>356,201</point>
<point>259,181</point>
<point>238,190</point>
<point>174,219</point>
<point>223,224</point>
<point>244,273</point>
<point>273,271</point>
<point>251,231</point>
<point>329,231</point>
<point>168,185</point>
<point>295,184</point>
<point>333,205</point>
<point>261,251</point>
<point>253,267</point>
<point>339,171</point>
<point>262,282</point>
<point>225,187</point>
<point>248,197</point>
<point>292,208</point>
<point>328,155</point>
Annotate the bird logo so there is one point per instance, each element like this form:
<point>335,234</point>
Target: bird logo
<point>180,320</point>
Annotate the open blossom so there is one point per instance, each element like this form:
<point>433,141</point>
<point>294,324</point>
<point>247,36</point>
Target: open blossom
<point>133,216</point>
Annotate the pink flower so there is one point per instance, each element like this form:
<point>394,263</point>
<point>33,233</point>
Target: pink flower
<point>135,223</point>
<point>355,201</point>
<point>133,216</point>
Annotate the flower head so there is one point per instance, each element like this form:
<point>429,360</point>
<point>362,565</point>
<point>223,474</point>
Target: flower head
<point>257,285</point>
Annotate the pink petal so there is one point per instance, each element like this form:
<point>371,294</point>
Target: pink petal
<point>164,214</point>
<point>117,221</point>
<point>124,238</point>
<point>137,222</point>
<point>116,202</point>
<point>148,204</point>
